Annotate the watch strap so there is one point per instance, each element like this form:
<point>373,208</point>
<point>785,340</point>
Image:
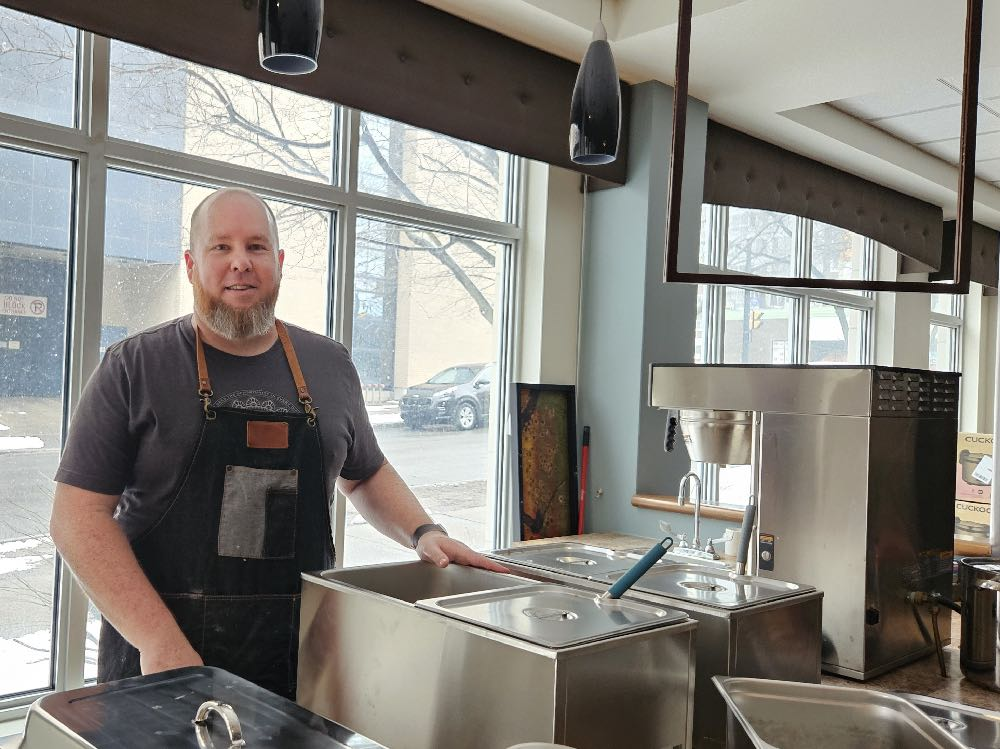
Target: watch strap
<point>425,528</point>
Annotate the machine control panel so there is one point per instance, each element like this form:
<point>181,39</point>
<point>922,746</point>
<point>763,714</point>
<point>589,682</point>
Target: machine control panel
<point>765,552</point>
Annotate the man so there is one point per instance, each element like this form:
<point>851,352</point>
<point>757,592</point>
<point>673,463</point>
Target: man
<point>198,471</point>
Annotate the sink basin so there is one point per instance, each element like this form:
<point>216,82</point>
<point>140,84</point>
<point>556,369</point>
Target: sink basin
<point>712,587</point>
<point>414,581</point>
<point>425,658</point>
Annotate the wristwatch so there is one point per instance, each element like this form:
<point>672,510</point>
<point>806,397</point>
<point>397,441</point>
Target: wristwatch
<point>425,528</point>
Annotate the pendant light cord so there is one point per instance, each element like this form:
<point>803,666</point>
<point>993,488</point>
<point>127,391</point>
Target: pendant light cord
<point>600,12</point>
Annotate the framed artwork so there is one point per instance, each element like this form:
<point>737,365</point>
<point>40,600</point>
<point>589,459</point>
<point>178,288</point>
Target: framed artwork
<point>546,459</point>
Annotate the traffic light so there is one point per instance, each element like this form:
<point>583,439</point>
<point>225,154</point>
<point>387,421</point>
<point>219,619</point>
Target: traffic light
<point>756,316</point>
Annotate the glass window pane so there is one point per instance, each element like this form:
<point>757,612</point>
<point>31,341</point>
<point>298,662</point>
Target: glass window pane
<point>943,349</point>
<point>700,331</point>
<point>836,334</point>
<point>37,68</point>
<point>146,232</point>
<point>419,166</point>
<point>171,103</point>
<point>838,254</point>
<point>761,242</point>
<point>735,485</point>
<point>758,327</point>
<point>945,304</point>
<point>705,236</point>
<point>36,200</point>
<point>425,303</point>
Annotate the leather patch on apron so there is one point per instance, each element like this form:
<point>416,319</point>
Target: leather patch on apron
<point>272,435</point>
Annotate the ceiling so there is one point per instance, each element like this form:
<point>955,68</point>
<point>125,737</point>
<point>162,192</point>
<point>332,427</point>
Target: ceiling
<point>866,86</point>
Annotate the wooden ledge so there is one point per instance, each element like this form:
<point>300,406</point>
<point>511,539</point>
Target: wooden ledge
<point>665,503</point>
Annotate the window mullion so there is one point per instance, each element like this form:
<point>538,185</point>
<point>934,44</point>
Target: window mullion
<point>71,605</point>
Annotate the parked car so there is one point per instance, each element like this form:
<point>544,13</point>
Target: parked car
<point>458,395</point>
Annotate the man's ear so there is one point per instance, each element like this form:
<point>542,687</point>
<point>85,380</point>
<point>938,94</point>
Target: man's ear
<point>281,258</point>
<point>189,263</point>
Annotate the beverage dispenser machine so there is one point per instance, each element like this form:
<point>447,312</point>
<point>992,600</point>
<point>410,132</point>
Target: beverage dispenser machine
<point>854,474</point>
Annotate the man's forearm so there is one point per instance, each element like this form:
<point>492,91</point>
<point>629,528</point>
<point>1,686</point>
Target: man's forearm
<point>97,551</point>
<point>387,503</point>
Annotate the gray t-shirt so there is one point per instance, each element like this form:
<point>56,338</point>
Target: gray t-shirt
<point>136,427</point>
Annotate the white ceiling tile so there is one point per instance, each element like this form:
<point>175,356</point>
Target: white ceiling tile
<point>988,170</point>
<point>988,146</point>
<point>915,98</point>
<point>989,83</point>
<point>921,127</point>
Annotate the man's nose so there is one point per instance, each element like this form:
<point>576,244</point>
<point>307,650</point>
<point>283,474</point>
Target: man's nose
<point>240,259</point>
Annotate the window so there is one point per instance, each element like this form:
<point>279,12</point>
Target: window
<point>748,325</point>
<point>162,101</point>
<point>426,330</point>
<point>38,68</point>
<point>35,245</point>
<point>430,287</point>
<point>945,350</point>
<point>418,166</point>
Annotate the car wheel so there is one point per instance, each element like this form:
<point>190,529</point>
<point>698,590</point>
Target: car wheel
<point>466,416</point>
<point>414,424</point>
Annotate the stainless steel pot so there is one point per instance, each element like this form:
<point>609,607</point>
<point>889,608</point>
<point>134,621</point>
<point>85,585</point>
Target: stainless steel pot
<point>766,714</point>
<point>979,579</point>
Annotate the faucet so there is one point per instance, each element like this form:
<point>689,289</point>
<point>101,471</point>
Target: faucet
<point>682,499</point>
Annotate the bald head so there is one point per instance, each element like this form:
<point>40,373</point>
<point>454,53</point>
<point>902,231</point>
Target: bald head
<point>201,217</point>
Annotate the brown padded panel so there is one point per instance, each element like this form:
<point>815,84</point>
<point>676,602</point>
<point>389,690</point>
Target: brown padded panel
<point>397,58</point>
<point>746,172</point>
<point>985,248</point>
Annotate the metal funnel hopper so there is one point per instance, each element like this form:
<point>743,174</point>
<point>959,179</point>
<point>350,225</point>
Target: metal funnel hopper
<point>712,436</point>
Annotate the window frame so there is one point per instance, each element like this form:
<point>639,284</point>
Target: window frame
<point>713,333</point>
<point>954,321</point>
<point>94,153</point>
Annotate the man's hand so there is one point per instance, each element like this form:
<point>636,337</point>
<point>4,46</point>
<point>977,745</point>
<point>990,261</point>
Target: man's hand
<point>172,655</point>
<point>440,550</point>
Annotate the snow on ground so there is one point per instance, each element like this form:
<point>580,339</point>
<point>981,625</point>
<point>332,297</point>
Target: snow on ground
<point>20,443</point>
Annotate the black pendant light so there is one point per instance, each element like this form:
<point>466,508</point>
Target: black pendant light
<point>289,35</point>
<point>596,112</point>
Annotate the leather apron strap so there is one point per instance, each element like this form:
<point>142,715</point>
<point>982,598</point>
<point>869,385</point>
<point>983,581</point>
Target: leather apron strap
<point>205,384</point>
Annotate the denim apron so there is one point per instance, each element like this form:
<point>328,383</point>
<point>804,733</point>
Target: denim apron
<point>252,513</point>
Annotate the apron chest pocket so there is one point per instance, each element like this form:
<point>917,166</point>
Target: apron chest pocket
<point>257,520</point>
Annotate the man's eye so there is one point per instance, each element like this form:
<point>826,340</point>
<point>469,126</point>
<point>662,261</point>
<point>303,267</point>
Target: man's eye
<point>220,247</point>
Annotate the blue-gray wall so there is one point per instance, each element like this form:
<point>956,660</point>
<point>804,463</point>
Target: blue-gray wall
<point>630,319</point>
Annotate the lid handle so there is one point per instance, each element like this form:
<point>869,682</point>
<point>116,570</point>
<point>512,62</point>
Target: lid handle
<point>229,718</point>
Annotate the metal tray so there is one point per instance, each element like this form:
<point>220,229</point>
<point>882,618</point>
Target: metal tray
<point>712,587</point>
<point>570,558</point>
<point>972,726</point>
<point>791,715</point>
<point>552,615</point>
<point>156,712</point>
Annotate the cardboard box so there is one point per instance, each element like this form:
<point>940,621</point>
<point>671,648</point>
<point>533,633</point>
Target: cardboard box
<point>973,486</point>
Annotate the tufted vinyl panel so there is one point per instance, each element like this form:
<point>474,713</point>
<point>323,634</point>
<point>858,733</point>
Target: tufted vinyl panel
<point>985,254</point>
<point>397,58</point>
<point>746,172</point>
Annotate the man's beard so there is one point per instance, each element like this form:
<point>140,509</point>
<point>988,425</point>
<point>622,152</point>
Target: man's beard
<point>234,324</point>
